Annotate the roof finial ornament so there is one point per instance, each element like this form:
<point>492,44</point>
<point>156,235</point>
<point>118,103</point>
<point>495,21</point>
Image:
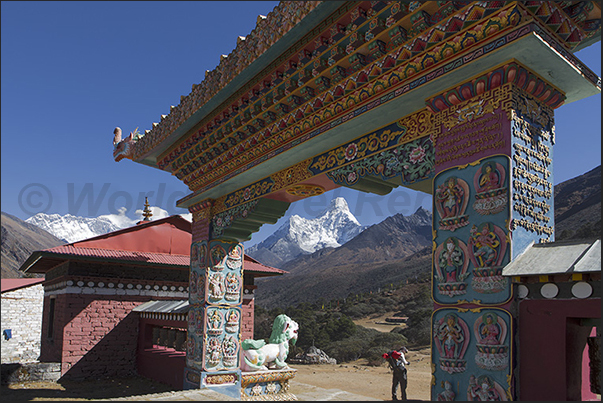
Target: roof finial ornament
<point>147,213</point>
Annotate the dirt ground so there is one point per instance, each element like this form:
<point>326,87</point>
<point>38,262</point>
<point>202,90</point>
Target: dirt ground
<point>356,377</point>
<point>85,390</point>
<point>368,381</point>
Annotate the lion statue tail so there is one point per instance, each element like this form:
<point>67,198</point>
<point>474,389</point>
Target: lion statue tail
<point>250,344</point>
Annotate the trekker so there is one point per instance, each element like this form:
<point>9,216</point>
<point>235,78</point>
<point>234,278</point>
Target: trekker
<point>397,362</point>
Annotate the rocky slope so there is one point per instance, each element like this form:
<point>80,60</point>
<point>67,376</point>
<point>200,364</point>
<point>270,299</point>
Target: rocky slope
<point>578,206</point>
<point>19,240</point>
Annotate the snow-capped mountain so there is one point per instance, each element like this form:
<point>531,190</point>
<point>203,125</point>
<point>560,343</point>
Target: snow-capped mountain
<point>71,228</point>
<point>335,226</point>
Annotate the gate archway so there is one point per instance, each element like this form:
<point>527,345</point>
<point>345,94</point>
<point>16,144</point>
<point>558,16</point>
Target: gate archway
<point>455,99</point>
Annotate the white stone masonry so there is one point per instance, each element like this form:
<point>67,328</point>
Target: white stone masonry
<point>22,314</point>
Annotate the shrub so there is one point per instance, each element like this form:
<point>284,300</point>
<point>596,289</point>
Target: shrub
<point>374,355</point>
<point>419,334</point>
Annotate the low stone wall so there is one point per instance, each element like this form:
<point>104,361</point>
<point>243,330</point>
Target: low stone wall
<point>31,372</point>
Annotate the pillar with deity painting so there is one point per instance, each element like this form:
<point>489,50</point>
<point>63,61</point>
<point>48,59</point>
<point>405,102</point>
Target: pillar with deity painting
<point>492,196</point>
<point>215,300</point>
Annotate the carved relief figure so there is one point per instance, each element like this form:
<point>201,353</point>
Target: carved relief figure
<point>202,251</point>
<point>193,282</point>
<point>451,267</point>
<point>213,352</point>
<point>230,348</point>
<point>487,245</point>
<point>232,321</point>
<point>232,287</point>
<point>451,259</point>
<point>218,254</point>
<point>490,331</point>
<point>451,198</point>
<point>200,286</point>
<point>214,322</point>
<point>216,286</point>
<point>194,255</point>
<point>198,322</point>
<point>234,260</point>
<point>447,395</point>
<point>489,178</point>
<point>484,389</point>
<point>451,335</point>
<point>491,194</point>
<point>190,350</point>
<point>451,339</point>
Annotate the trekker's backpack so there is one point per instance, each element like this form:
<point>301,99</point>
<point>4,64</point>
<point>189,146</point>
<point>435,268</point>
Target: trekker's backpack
<point>394,360</point>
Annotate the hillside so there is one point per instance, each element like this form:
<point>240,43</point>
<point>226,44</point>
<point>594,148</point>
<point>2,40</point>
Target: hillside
<point>19,240</point>
<point>578,206</point>
<point>337,282</point>
<point>385,253</point>
<point>397,249</point>
<point>300,236</point>
<point>392,239</point>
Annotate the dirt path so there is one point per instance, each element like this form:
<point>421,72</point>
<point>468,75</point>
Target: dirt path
<point>368,381</point>
<point>378,323</point>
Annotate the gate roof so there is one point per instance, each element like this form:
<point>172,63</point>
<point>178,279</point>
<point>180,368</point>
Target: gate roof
<point>313,75</point>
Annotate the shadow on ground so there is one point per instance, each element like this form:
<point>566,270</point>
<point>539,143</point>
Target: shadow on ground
<point>81,390</point>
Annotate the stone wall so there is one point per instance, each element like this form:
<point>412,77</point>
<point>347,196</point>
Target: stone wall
<point>22,314</point>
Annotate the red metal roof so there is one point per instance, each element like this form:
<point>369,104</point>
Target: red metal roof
<point>252,265</point>
<point>182,261</point>
<point>10,284</point>
<point>170,235</point>
<point>164,242</point>
<point>126,255</point>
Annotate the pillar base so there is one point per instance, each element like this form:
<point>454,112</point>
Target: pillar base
<point>225,382</point>
<point>267,385</point>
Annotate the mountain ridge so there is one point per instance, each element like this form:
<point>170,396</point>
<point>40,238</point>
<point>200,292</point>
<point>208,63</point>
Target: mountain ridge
<point>16,249</point>
<point>329,271</point>
<point>70,228</point>
<point>299,236</point>
<point>391,251</point>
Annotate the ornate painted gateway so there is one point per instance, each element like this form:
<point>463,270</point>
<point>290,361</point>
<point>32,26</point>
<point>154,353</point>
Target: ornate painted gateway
<point>455,99</point>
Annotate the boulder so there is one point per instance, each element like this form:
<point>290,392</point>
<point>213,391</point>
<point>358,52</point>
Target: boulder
<point>313,355</point>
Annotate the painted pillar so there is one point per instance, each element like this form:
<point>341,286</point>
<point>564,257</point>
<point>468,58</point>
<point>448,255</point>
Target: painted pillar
<point>493,196</point>
<point>215,309</point>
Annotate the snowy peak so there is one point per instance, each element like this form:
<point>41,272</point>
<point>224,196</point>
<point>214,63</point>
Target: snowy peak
<point>335,226</point>
<point>71,228</point>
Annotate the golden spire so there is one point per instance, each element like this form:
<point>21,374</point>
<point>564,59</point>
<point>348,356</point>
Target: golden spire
<point>146,212</point>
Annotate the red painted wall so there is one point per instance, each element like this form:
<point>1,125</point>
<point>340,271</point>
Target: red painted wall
<point>94,335</point>
<point>160,364</point>
<point>551,348</point>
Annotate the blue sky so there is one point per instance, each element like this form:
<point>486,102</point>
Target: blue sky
<point>73,71</point>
